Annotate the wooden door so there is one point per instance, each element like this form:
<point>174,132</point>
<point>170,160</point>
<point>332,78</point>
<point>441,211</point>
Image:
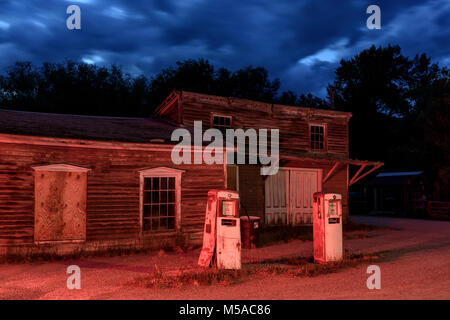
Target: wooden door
<point>276,198</point>
<point>303,183</point>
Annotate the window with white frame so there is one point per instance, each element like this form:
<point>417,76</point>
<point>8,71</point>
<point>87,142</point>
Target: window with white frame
<point>160,199</point>
<point>317,137</point>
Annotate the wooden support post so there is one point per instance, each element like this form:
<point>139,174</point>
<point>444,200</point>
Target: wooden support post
<point>352,180</point>
<point>356,179</point>
<point>330,172</point>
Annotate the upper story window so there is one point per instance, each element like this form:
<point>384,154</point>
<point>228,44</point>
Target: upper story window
<point>221,122</point>
<point>160,199</point>
<point>317,137</point>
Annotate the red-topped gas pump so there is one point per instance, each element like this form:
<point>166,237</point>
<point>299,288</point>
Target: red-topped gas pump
<point>222,231</point>
<point>327,227</point>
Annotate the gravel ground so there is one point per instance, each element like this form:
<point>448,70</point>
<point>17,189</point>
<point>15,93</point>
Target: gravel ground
<point>418,267</point>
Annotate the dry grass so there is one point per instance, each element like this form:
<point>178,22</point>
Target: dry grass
<point>278,234</point>
<point>181,278</point>
<point>302,267</point>
<point>33,256</point>
<point>293,266</point>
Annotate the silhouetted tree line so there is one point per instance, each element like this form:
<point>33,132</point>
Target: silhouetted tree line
<point>400,112</point>
<point>400,105</point>
<point>80,88</point>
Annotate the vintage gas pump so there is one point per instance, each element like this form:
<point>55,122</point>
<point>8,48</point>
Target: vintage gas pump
<point>222,231</point>
<point>327,225</point>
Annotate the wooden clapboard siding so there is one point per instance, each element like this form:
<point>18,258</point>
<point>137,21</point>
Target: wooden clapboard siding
<point>294,133</point>
<point>16,198</point>
<point>251,184</point>
<point>293,122</point>
<point>112,189</point>
<point>337,138</point>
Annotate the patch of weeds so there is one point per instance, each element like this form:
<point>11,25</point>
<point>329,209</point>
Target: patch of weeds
<point>280,234</point>
<point>197,278</point>
<point>14,258</point>
<point>46,256</point>
<point>305,268</point>
<point>289,261</point>
<point>32,256</point>
<point>293,266</point>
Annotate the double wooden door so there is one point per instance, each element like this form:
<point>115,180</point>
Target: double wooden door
<point>289,196</point>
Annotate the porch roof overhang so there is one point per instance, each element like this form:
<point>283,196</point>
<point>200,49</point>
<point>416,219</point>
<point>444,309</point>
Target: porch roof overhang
<point>339,161</point>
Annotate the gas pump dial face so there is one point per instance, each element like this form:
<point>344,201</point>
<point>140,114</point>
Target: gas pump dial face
<point>332,208</point>
<point>228,208</point>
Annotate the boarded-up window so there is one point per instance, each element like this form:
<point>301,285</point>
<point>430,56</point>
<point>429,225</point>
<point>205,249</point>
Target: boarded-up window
<point>60,203</point>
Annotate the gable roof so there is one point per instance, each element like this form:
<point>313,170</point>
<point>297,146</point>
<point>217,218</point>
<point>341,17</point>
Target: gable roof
<point>265,107</point>
<point>140,130</point>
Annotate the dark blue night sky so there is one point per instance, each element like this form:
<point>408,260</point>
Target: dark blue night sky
<point>300,42</point>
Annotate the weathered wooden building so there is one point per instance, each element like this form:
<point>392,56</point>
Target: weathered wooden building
<point>71,182</point>
<point>81,182</point>
<point>314,152</point>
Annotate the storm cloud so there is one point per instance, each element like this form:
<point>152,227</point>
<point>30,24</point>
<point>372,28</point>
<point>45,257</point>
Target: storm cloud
<point>301,42</point>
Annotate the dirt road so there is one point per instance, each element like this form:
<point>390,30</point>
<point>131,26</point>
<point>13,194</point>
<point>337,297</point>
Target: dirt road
<point>417,268</point>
